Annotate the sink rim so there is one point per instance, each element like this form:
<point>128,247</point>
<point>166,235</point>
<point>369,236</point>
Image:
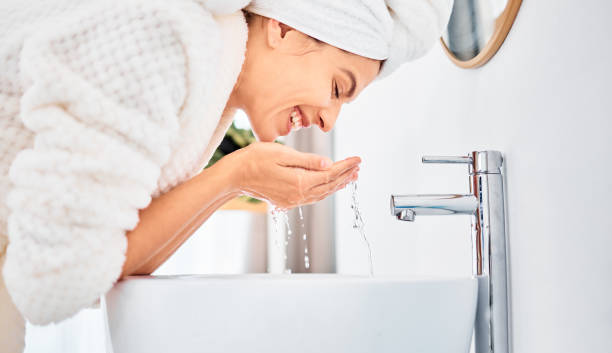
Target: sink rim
<point>318,277</point>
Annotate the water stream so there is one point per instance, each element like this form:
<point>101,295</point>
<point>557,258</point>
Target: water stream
<point>358,222</point>
<point>305,239</point>
<point>280,216</point>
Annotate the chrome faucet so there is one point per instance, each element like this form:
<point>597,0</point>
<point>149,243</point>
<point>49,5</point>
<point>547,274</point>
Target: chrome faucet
<point>485,205</point>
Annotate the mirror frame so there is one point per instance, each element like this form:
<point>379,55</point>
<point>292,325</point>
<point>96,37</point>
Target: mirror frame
<point>503,25</point>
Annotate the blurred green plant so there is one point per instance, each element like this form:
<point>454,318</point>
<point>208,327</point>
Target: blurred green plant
<point>233,140</point>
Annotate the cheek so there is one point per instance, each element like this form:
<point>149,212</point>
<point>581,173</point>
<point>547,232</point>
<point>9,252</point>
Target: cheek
<point>275,98</point>
<point>320,90</point>
<point>308,83</point>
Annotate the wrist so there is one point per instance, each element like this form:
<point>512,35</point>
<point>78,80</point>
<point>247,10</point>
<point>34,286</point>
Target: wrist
<point>227,169</point>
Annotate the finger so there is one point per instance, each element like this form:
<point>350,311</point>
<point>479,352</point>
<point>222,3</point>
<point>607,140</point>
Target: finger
<point>331,176</point>
<point>323,191</point>
<point>341,181</point>
<point>341,166</point>
<point>310,161</point>
<point>347,161</point>
<point>323,196</point>
<point>346,182</point>
<point>335,189</point>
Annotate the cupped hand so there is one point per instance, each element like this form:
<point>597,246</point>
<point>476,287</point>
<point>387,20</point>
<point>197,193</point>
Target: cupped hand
<point>288,178</point>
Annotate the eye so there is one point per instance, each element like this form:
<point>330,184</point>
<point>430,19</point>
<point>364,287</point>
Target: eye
<point>336,93</point>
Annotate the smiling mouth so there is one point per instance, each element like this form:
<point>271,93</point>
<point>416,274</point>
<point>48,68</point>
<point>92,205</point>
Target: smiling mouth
<point>297,120</point>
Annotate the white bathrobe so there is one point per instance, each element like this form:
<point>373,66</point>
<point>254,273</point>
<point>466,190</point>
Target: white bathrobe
<point>103,105</point>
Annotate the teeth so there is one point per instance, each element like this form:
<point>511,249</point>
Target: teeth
<point>296,120</point>
<point>297,125</point>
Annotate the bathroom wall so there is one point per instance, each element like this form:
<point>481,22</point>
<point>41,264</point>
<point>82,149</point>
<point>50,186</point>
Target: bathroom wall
<point>544,101</point>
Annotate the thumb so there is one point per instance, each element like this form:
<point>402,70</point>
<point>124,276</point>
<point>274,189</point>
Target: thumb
<point>308,161</point>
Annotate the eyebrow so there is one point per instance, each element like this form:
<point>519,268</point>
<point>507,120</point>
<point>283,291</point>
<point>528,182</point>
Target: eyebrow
<point>351,91</point>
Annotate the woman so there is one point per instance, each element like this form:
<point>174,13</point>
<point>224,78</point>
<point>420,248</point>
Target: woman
<point>109,111</point>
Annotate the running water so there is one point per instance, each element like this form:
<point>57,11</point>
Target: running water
<point>305,238</point>
<point>279,217</point>
<point>358,222</point>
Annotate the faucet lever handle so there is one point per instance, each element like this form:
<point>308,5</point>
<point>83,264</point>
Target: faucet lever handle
<point>453,160</point>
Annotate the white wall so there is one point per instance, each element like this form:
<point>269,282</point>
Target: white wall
<point>544,101</point>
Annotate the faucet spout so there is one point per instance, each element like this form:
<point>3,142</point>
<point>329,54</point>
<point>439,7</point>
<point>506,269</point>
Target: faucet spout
<point>406,207</point>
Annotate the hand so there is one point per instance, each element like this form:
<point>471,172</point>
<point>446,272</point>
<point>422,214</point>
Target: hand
<point>285,177</point>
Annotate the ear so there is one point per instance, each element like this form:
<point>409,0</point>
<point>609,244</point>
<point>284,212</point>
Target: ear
<point>275,32</point>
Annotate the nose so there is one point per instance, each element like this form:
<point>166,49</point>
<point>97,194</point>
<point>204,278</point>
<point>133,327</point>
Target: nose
<point>328,117</point>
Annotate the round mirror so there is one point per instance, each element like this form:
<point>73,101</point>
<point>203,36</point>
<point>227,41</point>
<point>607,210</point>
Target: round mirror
<point>476,30</point>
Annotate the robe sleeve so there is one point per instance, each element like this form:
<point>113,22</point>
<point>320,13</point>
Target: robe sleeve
<point>104,98</point>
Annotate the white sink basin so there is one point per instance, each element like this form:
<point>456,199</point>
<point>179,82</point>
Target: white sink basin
<point>290,314</point>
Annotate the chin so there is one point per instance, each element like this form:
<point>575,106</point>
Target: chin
<point>266,139</point>
<point>263,137</point>
<point>263,128</point>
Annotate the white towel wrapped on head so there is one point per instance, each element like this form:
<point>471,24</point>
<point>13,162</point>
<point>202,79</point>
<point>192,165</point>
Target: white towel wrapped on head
<point>395,31</point>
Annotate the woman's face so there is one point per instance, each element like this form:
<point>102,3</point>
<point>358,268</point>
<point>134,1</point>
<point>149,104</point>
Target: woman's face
<point>290,80</point>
